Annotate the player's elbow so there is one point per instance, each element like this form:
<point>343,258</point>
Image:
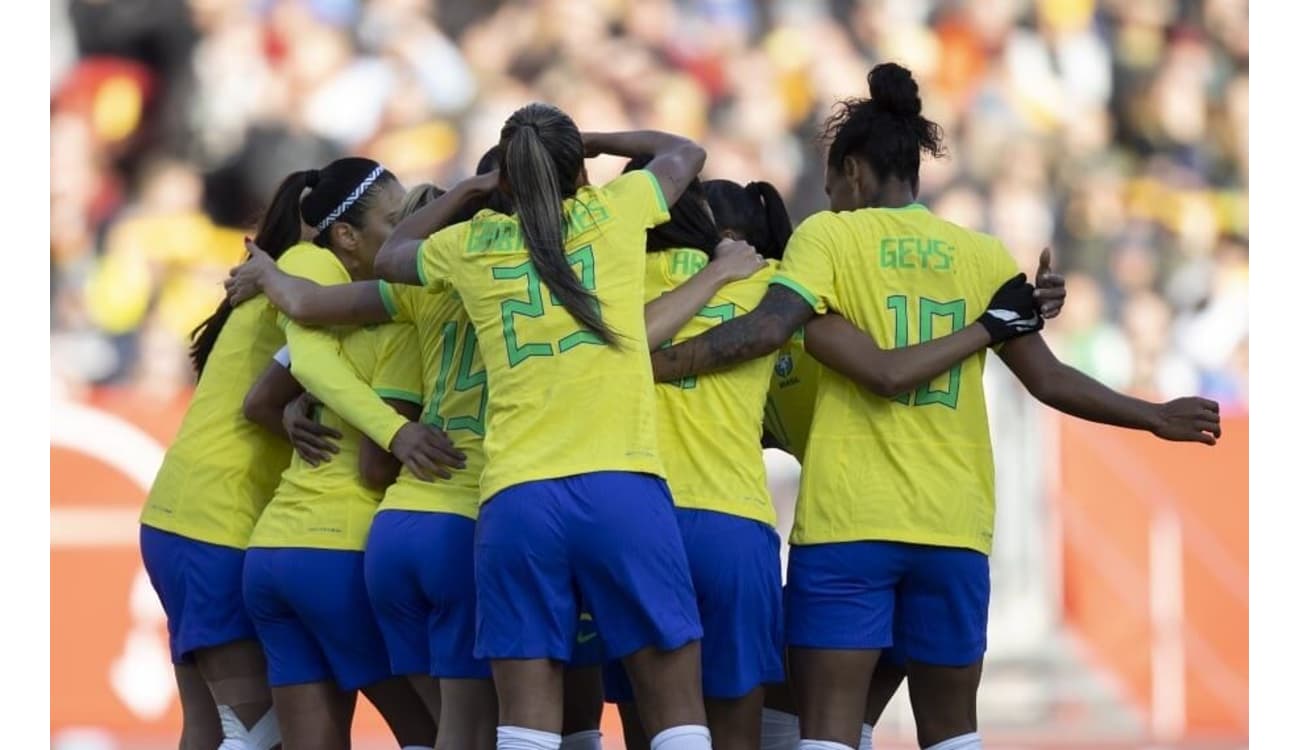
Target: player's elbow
<point>295,310</point>
<point>886,383</point>
<point>693,156</point>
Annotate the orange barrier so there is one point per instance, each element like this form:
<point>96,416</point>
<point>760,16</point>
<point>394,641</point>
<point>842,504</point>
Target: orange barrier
<point>1156,570</point>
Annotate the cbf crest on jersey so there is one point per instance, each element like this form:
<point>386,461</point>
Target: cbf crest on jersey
<point>784,365</point>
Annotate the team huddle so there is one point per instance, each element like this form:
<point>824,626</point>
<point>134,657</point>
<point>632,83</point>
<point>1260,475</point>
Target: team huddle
<point>493,456</point>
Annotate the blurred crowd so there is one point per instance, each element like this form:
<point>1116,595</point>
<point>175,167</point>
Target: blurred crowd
<point>1112,131</point>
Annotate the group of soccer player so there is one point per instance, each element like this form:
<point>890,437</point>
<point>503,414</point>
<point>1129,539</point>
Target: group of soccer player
<point>494,456</point>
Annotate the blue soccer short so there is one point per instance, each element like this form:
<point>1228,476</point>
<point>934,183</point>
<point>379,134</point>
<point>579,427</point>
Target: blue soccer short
<point>420,575</point>
<point>313,617</point>
<point>856,595</point>
<point>199,585</point>
<point>607,539</point>
<point>736,569</point>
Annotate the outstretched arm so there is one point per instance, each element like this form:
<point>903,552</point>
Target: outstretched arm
<point>1066,389</point>
<point>676,160</point>
<point>303,300</point>
<point>840,345</point>
<point>398,259</point>
<point>754,334</point>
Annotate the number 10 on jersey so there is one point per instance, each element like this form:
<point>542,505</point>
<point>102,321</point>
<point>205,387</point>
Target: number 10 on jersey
<point>928,311</point>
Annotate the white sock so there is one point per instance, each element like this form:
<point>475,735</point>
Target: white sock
<point>964,742</point>
<point>588,740</point>
<point>264,735</point>
<point>521,738</point>
<point>780,730</point>
<point>821,745</point>
<point>685,737</point>
<point>864,742</point>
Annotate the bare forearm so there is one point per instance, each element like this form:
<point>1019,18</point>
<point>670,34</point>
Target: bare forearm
<point>738,340</point>
<point>1078,395</point>
<point>735,341</point>
<point>635,143</point>
<point>838,344</point>
<point>676,160</point>
<point>1066,389</point>
<point>311,304</point>
<point>667,314</point>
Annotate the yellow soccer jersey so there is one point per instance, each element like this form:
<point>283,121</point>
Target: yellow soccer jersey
<point>455,397</point>
<point>221,469</point>
<point>328,506</point>
<point>917,468</point>
<point>791,396</point>
<point>711,426</point>
<point>316,353</point>
<point>562,402</point>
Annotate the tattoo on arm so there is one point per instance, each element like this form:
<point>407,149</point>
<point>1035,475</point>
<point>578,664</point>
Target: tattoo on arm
<point>755,334</point>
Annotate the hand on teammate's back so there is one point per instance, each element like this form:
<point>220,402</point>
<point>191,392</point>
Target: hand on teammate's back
<point>426,451</point>
<point>736,260</point>
<point>1012,312</point>
<point>1189,419</point>
<point>311,439</point>
<point>1049,287</point>
<point>246,278</point>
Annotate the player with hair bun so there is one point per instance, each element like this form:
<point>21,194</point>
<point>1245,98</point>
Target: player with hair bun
<point>894,520</point>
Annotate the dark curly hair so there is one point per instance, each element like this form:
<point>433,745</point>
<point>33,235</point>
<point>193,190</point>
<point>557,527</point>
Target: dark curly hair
<point>887,130</point>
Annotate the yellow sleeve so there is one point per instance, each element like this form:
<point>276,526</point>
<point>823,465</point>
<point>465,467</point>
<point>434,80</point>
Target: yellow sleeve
<point>636,197</point>
<point>319,365</point>
<point>436,252</point>
<point>397,300</point>
<point>397,367</point>
<point>808,267</point>
<point>318,362</point>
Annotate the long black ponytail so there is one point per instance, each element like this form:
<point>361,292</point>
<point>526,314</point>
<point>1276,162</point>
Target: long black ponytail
<point>280,229</point>
<point>542,154</point>
<point>755,212</point>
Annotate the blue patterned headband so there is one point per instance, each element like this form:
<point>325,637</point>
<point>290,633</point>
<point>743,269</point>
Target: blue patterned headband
<point>352,198</point>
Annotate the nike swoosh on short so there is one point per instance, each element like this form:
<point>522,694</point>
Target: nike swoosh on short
<point>586,638</point>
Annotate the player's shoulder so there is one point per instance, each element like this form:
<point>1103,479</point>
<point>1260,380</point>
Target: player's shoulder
<point>824,221</point>
<point>303,251</point>
<point>314,262</point>
<point>365,345</point>
<point>826,230</point>
<point>968,235</point>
